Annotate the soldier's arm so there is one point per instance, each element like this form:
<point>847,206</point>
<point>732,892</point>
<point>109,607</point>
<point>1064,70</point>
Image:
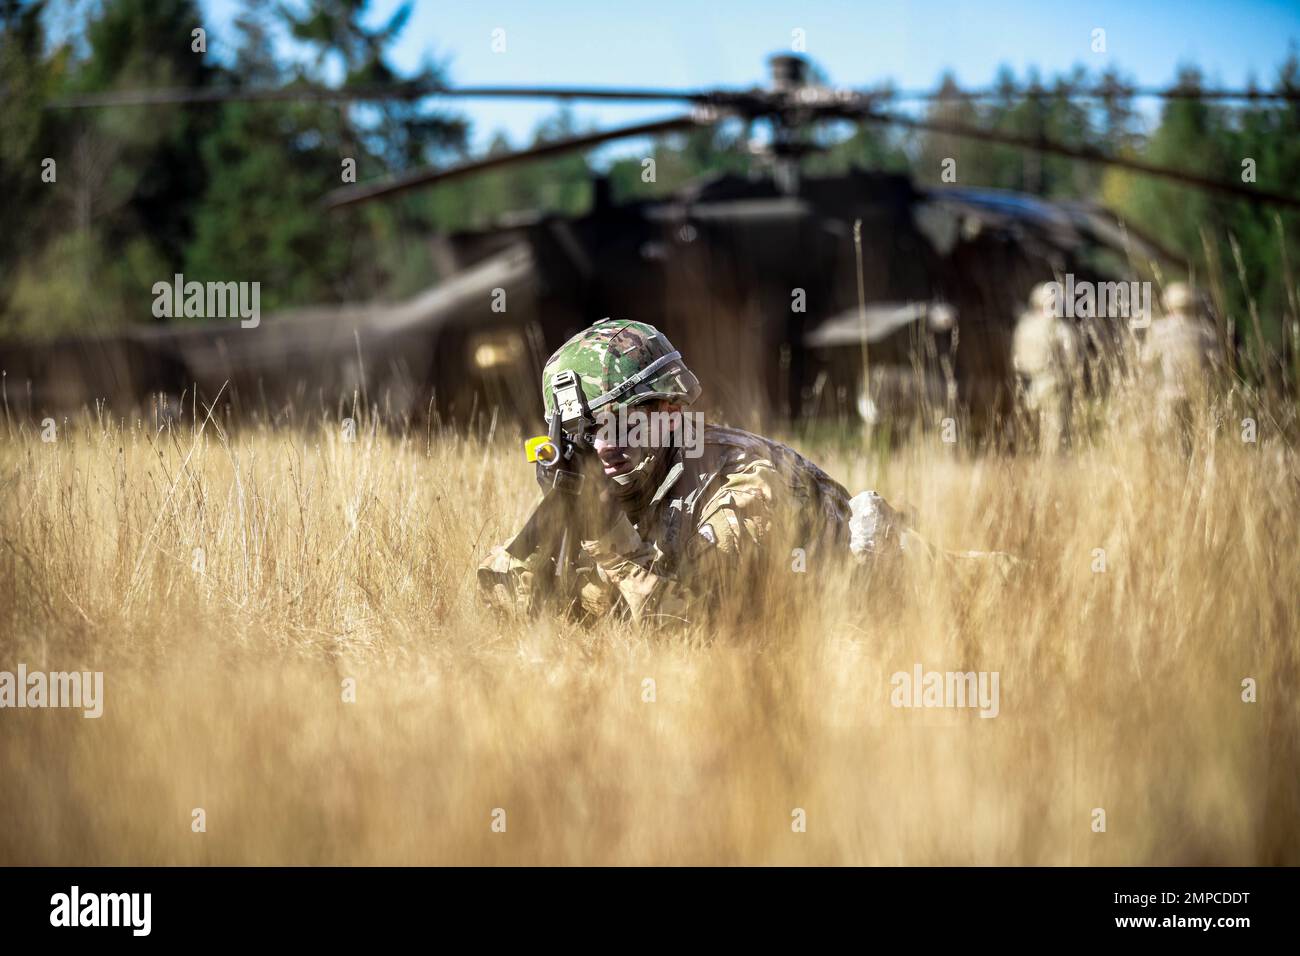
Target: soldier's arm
<point>520,587</point>
<point>628,572</point>
<point>723,556</point>
<point>505,583</point>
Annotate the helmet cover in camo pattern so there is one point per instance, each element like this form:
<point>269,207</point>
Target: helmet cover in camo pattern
<point>610,352</point>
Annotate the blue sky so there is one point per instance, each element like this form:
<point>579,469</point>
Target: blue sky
<point>691,43</point>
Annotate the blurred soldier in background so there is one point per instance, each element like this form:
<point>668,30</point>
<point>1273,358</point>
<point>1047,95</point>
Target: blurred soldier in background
<point>700,517</point>
<point>1045,355</point>
<point>1178,355</point>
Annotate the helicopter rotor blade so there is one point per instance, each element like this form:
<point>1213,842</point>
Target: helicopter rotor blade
<point>413,90</point>
<point>745,101</point>
<point>215,95</point>
<point>570,93</point>
<point>1103,93</point>
<point>365,192</point>
<point>1088,154</point>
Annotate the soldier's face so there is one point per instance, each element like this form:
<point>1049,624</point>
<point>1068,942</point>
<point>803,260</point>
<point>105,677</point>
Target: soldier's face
<point>618,455</point>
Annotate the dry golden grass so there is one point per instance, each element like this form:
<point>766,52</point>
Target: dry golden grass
<point>326,560</point>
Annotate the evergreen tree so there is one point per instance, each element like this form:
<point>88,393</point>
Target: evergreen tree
<point>267,167</point>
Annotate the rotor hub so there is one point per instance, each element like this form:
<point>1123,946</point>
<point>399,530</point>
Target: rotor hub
<point>789,72</point>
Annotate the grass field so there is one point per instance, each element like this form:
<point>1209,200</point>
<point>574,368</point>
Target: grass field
<point>227,583</point>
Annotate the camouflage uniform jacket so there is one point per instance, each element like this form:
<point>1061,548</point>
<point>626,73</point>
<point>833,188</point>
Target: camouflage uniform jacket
<point>715,523</point>
<point>1177,353</point>
<point>1044,350</point>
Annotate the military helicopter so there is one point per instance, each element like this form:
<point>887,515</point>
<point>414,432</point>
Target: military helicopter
<point>791,295</point>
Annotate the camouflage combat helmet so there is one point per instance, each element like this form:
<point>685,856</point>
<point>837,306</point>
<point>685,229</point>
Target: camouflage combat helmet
<point>621,363</point>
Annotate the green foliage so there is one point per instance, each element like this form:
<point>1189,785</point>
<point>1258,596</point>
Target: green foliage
<point>1193,134</point>
<point>29,74</point>
<point>261,218</point>
<point>74,283</point>
<point>125,183</point>
<point>1215,142</point>
<point>232,191</point>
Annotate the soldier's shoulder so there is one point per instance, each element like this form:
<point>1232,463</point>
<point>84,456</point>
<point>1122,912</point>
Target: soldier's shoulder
<point>735,449</point>
<point>735,446</point>
<point>724,436</point>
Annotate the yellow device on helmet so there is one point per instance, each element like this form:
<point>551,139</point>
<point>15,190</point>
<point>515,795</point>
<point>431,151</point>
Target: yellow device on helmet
<point>541,449</point>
